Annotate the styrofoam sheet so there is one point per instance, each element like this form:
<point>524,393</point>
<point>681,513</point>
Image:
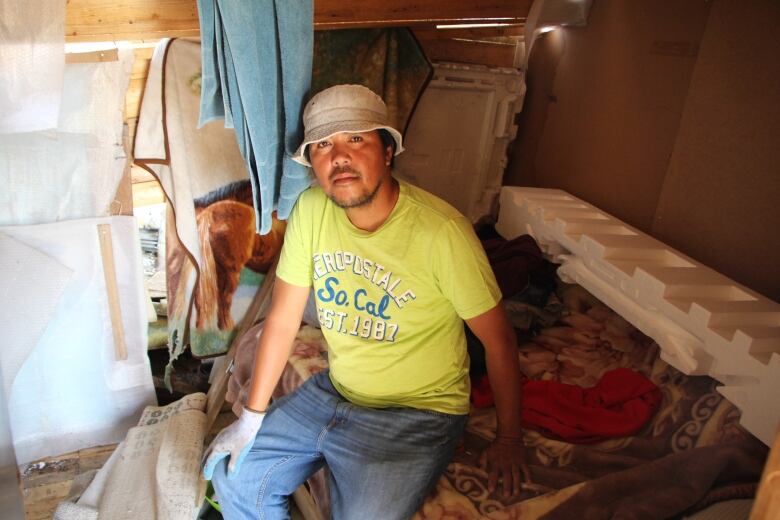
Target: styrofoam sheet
<point>72,392</point>
<point>704,322</point>
<point>457,137</point>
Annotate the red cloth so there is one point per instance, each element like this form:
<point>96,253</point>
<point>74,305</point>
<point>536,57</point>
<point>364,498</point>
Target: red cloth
<point>481,394</point>
<point>619,405</point>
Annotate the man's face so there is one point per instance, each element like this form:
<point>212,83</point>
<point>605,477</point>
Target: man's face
<point>352,168</point>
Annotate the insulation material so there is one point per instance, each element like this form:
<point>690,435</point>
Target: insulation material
<point>457,138</point>
<point>72,392</point>
<point>32,51</point>
<point>154,473</point>
<point>73,171</point>
<point>704,322</point>
<point>30,289</point>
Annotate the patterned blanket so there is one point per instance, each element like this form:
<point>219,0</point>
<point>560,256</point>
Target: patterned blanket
<point>692,452</point>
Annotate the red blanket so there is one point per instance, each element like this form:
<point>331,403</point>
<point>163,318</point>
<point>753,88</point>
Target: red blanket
<point>619,405</point>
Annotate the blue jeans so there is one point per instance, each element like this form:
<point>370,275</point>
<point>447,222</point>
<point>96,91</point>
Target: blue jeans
<point>383,462</point>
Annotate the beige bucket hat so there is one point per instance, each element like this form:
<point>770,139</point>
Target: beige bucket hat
<point>344,108</point>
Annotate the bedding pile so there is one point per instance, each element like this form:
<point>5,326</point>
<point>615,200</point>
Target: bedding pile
<point>688,448</point>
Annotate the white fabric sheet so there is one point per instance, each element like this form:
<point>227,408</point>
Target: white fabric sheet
<point>30,288</point>
<point>32,53</point>
<point>71,392</point>
<point>71,172</point>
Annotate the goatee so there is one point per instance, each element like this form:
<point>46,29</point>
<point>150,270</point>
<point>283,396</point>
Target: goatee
<point>357,202</point>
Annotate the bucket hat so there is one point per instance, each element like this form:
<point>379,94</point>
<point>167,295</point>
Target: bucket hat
<point>344,108</point>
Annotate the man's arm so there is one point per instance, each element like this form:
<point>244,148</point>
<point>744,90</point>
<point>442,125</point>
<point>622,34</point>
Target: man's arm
<point>276,341</point>
<point>274,348</point>
<point>505,456</point>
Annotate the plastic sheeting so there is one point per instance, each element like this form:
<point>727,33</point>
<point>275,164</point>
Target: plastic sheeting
<point>71,391</point>
<point>32,51</point>
<point>71,172</point>
<point>37,281</point>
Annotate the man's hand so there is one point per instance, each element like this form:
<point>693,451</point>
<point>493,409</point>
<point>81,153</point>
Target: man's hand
<point>234,441</point>
<point>504,460</point>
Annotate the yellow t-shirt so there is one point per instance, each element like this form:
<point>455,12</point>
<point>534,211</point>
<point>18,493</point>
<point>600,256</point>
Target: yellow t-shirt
<point>391,301</point>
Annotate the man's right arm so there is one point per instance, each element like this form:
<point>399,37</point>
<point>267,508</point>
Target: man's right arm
<point>276,341</point>
<point>274,348</point>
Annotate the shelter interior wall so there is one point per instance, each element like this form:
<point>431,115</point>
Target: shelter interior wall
<point>663,113</point>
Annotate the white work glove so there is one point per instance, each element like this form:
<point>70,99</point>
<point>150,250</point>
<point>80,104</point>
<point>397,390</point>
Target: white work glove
<point>233,441</point>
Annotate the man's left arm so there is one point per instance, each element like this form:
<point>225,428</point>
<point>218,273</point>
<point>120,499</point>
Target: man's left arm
<point>504,458</point>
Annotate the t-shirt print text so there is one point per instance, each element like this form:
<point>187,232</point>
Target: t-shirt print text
<point>371,318</point>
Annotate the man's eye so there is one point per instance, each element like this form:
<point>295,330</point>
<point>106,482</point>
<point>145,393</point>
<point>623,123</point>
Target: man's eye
<point>356,138</point>
<point>322,144</point>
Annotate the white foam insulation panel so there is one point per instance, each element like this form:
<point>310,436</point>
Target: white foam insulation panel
<point>704,322</point>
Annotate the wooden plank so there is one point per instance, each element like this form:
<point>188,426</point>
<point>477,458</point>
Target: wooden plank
<point>41,501</point>
<point>306,504</point>
<point>112,287</point>
<point>107,20</point>
<point>139,175</point>
<point>501,33</point>
<point>767,504</point>
<point>133,97</point>
<point>340,14</point>
<point>491,54</point>
<point>47,481</point>
<point>92,57</point>
<point>142,60</point>
<point>147,193</point>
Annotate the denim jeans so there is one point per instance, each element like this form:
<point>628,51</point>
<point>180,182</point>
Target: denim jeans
<point>383,462</point>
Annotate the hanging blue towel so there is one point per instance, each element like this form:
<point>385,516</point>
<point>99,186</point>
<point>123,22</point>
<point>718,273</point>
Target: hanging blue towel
<point>257,58</point>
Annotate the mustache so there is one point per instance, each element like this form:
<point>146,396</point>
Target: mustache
<point>336,170</point>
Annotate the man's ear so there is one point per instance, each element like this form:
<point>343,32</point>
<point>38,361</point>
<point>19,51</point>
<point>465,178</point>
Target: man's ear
<point>388,155</point>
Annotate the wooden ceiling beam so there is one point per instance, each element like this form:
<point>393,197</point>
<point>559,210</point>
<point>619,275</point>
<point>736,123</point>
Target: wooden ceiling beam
<point>476,33</point>
<point>470,51</point>
<point>108,20</point>
<point>337,14</point>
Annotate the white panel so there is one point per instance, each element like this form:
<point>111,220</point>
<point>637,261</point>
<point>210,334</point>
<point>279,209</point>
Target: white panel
<point>456,141</point>
<point>72,392</point>
<point>704,322</point>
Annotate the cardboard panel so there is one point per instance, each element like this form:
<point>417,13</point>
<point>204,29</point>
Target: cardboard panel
<point>719,202</point>
<point>604,129</point>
